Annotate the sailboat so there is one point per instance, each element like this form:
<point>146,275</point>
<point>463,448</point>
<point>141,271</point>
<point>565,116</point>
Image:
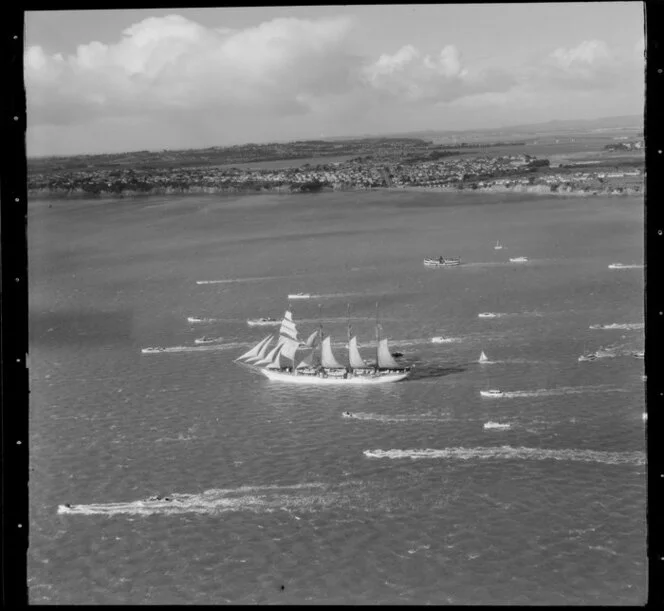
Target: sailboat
<point>498,246</point>
<point>320,365</point>
<point>483,358</point>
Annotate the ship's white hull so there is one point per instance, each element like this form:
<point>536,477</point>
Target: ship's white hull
<point>300,296</point>
<point>519,260</point>
<point>383,378</point>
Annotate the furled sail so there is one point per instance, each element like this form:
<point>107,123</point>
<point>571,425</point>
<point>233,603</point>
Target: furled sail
<point>255,351</point>
<point>385,360</point>
<point>262,352</point>
<point>354,357</point>
<point>270,357</point>
<point>327,358</point>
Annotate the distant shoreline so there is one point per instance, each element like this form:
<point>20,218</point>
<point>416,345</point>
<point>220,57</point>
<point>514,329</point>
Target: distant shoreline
<point>48,194</point>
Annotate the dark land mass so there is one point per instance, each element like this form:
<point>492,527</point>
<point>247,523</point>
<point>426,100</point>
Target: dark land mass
<point>608,161</point>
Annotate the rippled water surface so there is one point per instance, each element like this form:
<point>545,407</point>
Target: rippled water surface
<point>430,493</point>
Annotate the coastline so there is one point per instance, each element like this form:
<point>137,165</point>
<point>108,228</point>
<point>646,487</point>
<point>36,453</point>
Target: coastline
<point>54,194</point>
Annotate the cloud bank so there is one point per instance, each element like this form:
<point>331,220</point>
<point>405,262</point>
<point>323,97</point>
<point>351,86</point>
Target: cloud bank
<point>288,70</point>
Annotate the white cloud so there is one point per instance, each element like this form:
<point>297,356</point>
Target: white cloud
<point>172,62</point>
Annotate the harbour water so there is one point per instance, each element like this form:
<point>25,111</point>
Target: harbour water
<point>431,494</point>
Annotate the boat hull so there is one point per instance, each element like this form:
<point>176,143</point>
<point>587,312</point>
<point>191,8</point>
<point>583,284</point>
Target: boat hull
<point>263,323</point>
<point>488,393</point>
<point>281,376</point>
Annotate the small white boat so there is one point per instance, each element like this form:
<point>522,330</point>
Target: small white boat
<point>152,350</point>
<point>207,340</point>
<point>492,393</point>
<point>300,296</point>
<point>587,357</point>
<point>497,425</point>
<point>519,260</point>
<point>263,322</point>
<point>498,246</point>
<point>483,358</point>
<point>487,315</point>
<point>441,262</point>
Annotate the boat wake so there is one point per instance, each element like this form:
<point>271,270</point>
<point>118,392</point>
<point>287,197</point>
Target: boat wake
<point>202,348</point>
<point>251,279</point>
<point>429,417</point>
<point>552,392</point>
<point>506,314</point>
<point>510,453</point>
<point>246,498</point>
<point>624,326</point>
<point>496,426</point>
<point>623,266</point>
<point>208,340</point>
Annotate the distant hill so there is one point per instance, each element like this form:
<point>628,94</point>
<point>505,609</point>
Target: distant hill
<point>556,125</point>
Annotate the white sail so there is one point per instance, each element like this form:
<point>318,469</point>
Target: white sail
<point>270,357</point>
<point>289,347</point>
<point>263,351</point>
<point>288,328</point>
<point>483,358</point>
<point>354,356</point>
<point>311,340</point>
<point>275,363</point>
<point>327,357</point>
<point>307,361</point>
<point>385,360</point>
<point>255,351</point>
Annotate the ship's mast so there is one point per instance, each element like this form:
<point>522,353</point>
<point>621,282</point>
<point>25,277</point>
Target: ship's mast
<point>320,332</point>
<point>349,333</point>
<point>293,358</point>
<point>377,337</point>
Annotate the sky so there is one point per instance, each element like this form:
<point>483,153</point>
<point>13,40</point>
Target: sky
<point>124,80</point>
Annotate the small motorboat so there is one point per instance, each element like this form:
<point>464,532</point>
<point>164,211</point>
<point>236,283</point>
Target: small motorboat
<point>397,355</point>
<point>587,357</point>
<point>519,260</point>
<point>487,315</point>
<point>498,246</point>
<point>206,340</point>
<point>638,354</point>
<point>299,296</point>
<point>441,261</point>
<point>492,393</point>
<point>348,415</point>
<point>262,322</point>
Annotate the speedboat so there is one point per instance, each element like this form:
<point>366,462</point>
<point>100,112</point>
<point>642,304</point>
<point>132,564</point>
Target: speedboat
<point>519,260</point>
<point>498,246</point>
<point>348,415</point>
<point>299,296</point>
<point>587,357</point>
<point>206,340</point>
<point>262,322</point>
<point>492,393</point>
<point>397,355</point>
<point>487,315</point>
<point>638,354</point>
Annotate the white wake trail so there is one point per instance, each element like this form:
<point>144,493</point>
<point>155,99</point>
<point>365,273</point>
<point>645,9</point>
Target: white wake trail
<point>510,453</point>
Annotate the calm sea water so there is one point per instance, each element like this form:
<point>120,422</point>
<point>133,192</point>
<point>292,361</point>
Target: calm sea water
<point>277,497</point>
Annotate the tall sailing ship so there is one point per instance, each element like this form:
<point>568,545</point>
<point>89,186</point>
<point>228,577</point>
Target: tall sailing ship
<point>318,364</point>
